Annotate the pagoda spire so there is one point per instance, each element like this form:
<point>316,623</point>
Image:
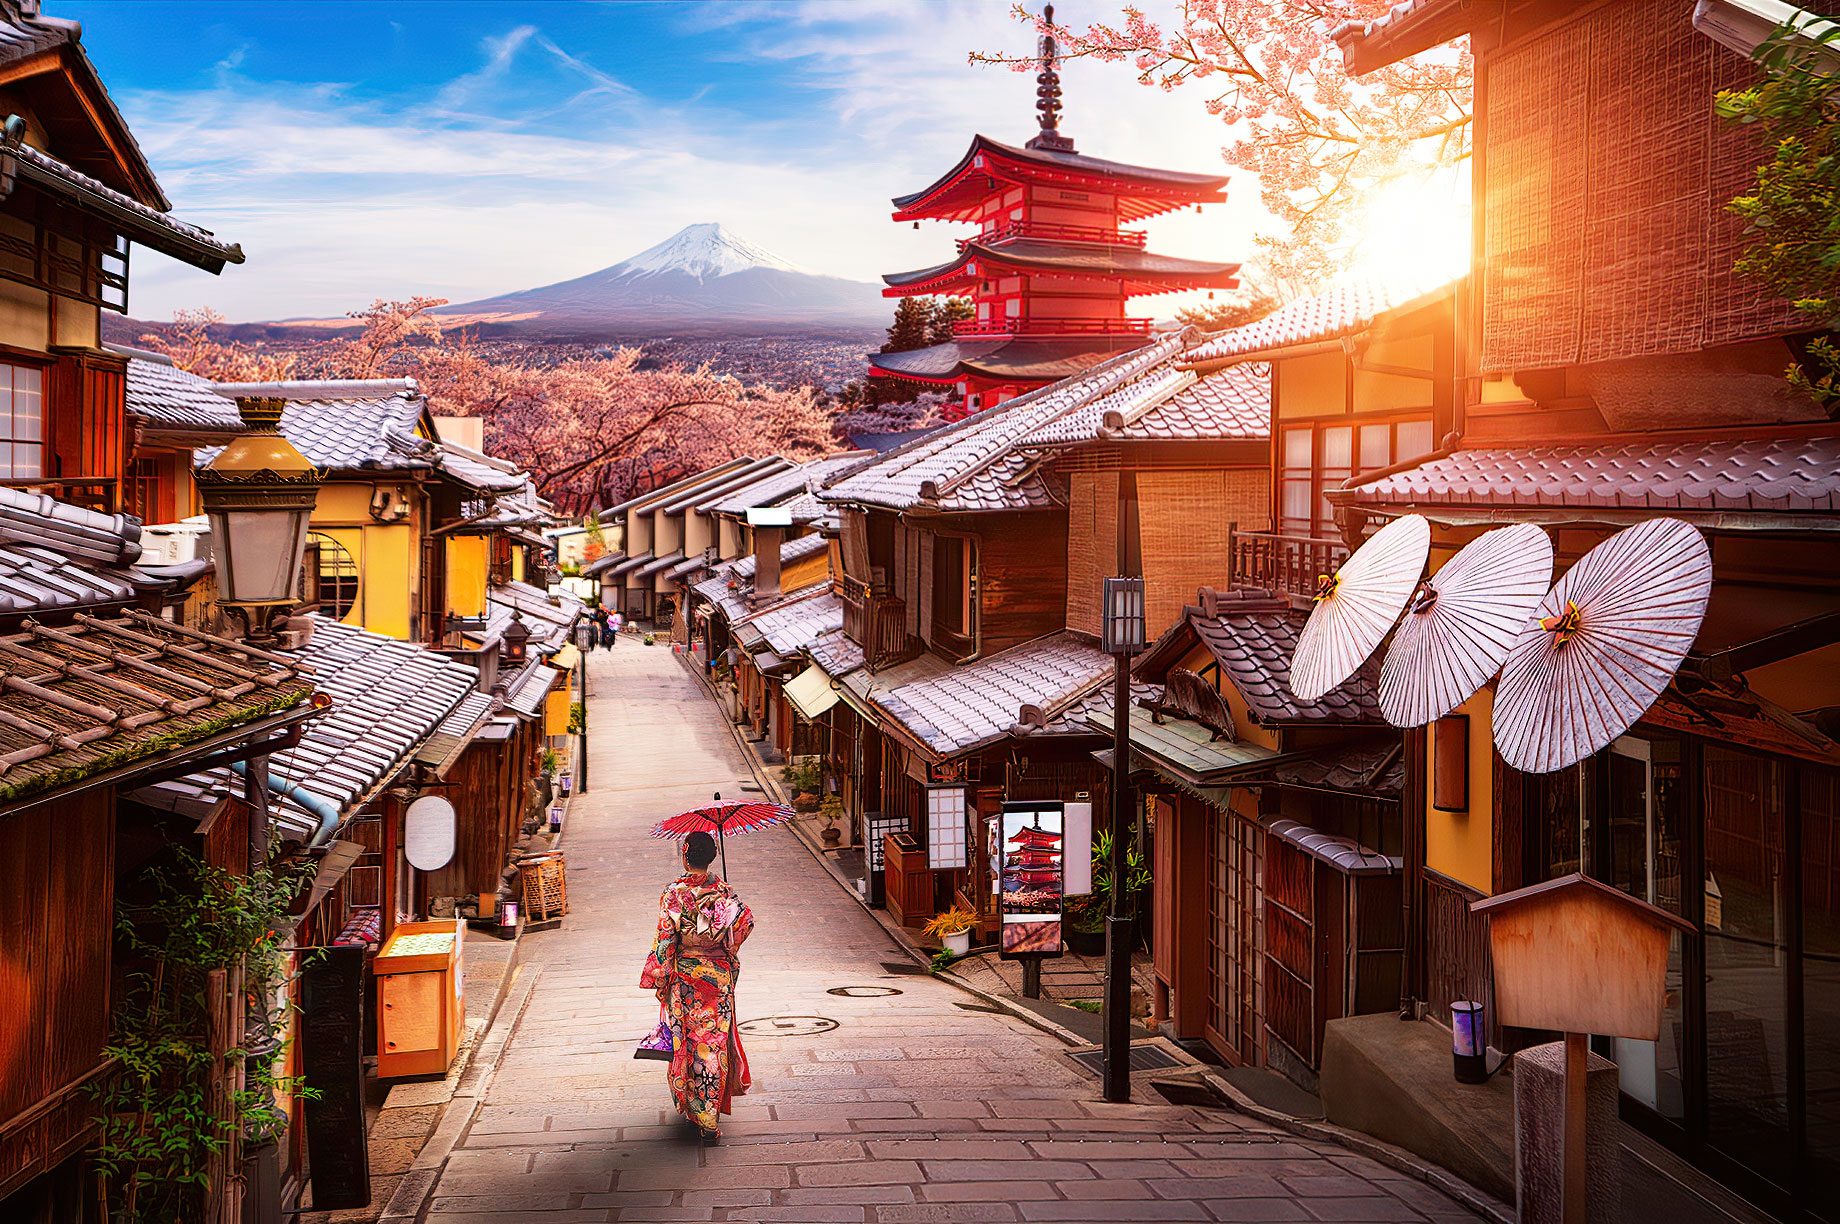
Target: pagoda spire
<point>1048,91</point>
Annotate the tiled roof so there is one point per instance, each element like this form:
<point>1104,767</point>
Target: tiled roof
<point>981,701</point>
<point>973,464</point>
<point>105,692</point>
<point>167,398</point>
<point>787,483</point>
<point>1789,475</point>
<point>1182,748</point>
<point>527,688</point>
<point>455,732</point>
<point>790,626</point>
<point>20,37</point>
<point>1232,403</point>
<point>1145,270</point>
<point>659,564</point>
<point>549,615</point>
<point>1024,357</point>
<point>148,226</point>
<point>352,434</point>
<point>703,497</point>
<point>1376,769</point>
<point>835,653</point>
<point>1254,651</point>
<point>1207,186</point>
<point>40,520</point>
<point>1341,310</point>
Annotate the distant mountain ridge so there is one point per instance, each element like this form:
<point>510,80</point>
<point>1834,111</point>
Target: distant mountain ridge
<point>703,278</point>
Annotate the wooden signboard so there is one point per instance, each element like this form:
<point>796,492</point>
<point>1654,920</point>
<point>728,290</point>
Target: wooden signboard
<point>332,1062</point>
<point>948,773</point>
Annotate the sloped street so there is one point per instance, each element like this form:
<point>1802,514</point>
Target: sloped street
<point>901,1102</point>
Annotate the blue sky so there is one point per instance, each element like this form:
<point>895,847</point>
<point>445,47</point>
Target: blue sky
<point>464,149</point>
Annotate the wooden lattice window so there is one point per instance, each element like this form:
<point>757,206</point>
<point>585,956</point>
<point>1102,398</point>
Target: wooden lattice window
<point>22,421</point>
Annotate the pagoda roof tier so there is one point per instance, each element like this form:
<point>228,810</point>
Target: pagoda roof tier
<point>1142,191</point>
<point>1006,359</point>
<point>1140,272</point>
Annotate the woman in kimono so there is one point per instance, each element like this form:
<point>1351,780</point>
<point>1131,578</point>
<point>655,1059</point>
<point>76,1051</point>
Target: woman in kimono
<point>693,968</point>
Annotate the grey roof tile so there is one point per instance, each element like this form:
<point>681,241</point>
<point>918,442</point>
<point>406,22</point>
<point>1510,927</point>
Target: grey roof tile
<point>1340,310</point>
<point>790,625</point>
<point>979,702</point>
<point>168,398</point>
<point>1254,648</point>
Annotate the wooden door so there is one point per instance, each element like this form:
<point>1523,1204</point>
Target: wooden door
<point>1235,936</point>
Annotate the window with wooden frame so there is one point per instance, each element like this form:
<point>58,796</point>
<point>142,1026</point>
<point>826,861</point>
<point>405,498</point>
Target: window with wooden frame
<point>22,421</point>
<point>331,576</point>
<point>948,837</point>
<point>147,495</point>
<point>1314,457</point>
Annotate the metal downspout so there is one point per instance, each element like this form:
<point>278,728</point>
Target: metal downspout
<point>327,815</point>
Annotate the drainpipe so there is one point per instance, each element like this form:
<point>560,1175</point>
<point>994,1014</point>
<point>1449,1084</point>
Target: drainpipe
<point>324,812</point>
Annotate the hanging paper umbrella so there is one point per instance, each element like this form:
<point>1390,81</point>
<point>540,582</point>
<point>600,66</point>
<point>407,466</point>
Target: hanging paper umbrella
<point>723,818</point>
<point>1462,624</point>
<point>1603,645</point>
<point>1357,604</point>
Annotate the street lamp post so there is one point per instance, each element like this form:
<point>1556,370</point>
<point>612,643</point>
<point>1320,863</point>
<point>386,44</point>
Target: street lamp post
<point>258,494</point>
<point>1122,636</point>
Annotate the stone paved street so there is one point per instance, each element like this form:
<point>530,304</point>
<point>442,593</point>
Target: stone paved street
<point>915,1106</point>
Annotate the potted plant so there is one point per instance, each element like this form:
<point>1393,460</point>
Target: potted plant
<point>803,779</point>
<point>1085,925</point>
<point>832,810</point>
<point>953,929</point>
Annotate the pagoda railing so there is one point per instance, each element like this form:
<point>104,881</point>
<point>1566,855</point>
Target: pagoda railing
<point>1285,565</point>
<point>1052,327</point>
<point>1047,232</point>
<point>876,622</point>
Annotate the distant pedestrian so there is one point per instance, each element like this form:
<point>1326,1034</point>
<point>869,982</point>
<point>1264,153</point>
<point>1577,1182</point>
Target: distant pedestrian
<point>693,967</point>
<point>597,626</point>
<point>610,630</point>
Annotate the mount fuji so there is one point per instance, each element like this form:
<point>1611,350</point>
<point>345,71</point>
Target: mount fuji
<point>702,278</point>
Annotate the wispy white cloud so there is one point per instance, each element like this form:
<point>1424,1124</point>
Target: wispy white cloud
<point>539,164</point>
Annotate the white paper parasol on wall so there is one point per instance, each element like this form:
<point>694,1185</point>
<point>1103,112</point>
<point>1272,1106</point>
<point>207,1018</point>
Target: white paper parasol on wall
<point>1603,645</point>
<point>1357,605</point>
<point>1463,622</point>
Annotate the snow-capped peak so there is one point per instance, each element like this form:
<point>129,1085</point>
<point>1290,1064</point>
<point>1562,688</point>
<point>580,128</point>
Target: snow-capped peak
<point>704,251</point>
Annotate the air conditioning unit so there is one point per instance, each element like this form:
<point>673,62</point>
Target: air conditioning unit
<point>176,543</point>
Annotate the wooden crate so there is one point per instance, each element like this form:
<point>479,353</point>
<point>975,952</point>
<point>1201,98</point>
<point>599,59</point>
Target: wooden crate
<point>546,887</point>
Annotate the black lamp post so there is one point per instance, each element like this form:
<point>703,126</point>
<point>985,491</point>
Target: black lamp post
<point>1121,636</point>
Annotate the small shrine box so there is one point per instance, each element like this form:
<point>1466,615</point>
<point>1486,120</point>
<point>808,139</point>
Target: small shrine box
<point>421,1015</point>
<point>1576,955</point>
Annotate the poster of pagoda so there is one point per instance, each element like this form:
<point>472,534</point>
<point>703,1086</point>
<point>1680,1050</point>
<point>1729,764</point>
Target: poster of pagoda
<point>1032,881</point>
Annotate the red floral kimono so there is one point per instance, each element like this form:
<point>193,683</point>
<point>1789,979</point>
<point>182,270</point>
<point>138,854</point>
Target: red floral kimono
<point>693,968</point>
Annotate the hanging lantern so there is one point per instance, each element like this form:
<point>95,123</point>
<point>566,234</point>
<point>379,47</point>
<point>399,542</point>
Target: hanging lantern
<point>258,494</point>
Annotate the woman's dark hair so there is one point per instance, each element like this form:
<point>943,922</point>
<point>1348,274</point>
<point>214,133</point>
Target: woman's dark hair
<point>700,850</point>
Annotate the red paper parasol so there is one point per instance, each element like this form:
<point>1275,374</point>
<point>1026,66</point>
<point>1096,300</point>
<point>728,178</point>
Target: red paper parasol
<point>723,818</point>
<point>1462,624</point>
<point>1603,645</point>
<point>1357,605</point>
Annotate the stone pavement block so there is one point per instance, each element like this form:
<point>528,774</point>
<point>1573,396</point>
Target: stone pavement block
<point>1376,1210</point>
<point>857,1195</point>
<point>803,1215</point>
<point>1005,1170</point>
<point>982,1192</point>
<point>393,1155</point>
<point>1327,1185</point>
<point>523,1217</point>
<point>556,1201</point>
<point>948,1149</point>
<point>784,1153</point>
<point>662,1213</point>
<point>1114,1213</point>
<point>728,1198</point>
<point>1107,1188</point>
<point>622,1199</point>
<point>860,1173</point>
<point>1250,1186</point>
<point>1256,1211</point>
<point>802,1111</point>
<point>945,1213</point>
<point>952,1109</point>
<point>736,1177</point>
<point>411,1123</point>
<point>555,1138</point>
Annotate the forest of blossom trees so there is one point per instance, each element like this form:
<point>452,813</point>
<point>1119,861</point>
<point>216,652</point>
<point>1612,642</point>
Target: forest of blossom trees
<point>591,430</point>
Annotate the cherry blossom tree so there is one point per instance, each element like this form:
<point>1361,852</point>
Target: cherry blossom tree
<point>1321,142</point>
<point>192,347</point>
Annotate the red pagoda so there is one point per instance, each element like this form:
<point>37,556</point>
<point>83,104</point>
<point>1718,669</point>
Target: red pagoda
<point>1051,269</point>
